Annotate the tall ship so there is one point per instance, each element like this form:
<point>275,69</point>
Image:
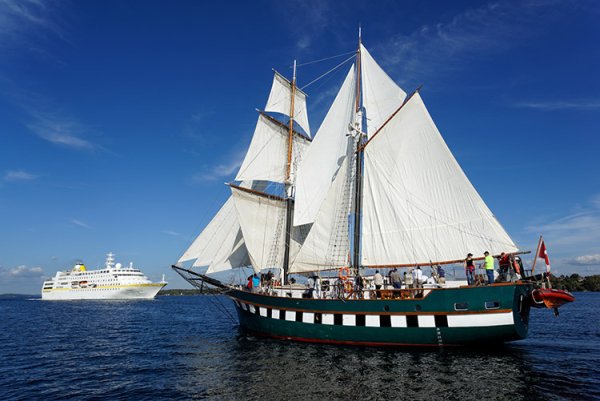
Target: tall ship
<point>376,191</point>
<point>111,282</point>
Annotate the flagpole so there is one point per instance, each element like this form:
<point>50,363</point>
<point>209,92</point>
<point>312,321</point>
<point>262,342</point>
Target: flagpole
<point>537,255</point>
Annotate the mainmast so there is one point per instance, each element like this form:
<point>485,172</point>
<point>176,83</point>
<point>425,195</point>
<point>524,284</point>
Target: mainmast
<point>359,163</point>
<point>288,183</point>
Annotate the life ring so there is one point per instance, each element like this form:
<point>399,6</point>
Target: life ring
<point>516,266</point>
<point>344,273</point>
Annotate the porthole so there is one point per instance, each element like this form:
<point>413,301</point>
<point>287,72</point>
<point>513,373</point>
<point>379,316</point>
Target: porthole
<point>492,305</point>
<point>461,306</point>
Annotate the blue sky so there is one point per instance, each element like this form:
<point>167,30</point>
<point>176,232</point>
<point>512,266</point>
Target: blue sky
<point>120,121</point>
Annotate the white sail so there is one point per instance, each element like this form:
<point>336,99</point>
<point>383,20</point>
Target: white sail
<point>280,101</point>
<point>232,253</point>
<point>262,221</point>
<point>219,235</point>
<point>265,159</point>
<point>419,206</point>
<point>324,157</point>
<point>381,95</point>
<point>327,245</point>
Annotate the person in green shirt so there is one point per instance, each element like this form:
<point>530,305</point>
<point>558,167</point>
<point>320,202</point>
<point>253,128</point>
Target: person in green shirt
<point>489,267</point>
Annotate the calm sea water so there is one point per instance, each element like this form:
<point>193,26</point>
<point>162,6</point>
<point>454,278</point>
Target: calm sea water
<point>189,348</point>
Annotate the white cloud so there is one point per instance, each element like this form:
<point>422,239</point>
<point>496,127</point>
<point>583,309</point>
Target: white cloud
<point>574,229</point>
<point>32,26</point>
<point>222,170</point>
<point>19,175</point>
<point>172,233</point>
<point>587,260</point>
<point>28,23</point>
<point>195,127</point>
<point>474,33</point>
<point>315,19</point>
<point>59,130</point>
<point>575,232</point>
<point>21,271</point>
<point>80,223</point>
<point>560,105</point>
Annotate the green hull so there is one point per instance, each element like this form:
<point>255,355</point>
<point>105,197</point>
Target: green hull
<point>444,317</point>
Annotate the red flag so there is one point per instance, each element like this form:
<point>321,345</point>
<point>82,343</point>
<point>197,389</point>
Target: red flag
<point>544,255</point>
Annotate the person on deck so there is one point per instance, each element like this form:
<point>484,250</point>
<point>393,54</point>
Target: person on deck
<point>378,281</point>
<point>311,286</point>
<point>255,283</point>
<point>359,285</point>
<point>504,264</point>
<point>470,269</point>
<point>418,277</point>
<point>317,292</point>
<point>489,267</point>
<point>395,279</point>
<point>441,275</point>
<point>408,279</point>
<point>269,278</point>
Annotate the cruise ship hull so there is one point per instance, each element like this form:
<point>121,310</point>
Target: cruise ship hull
<point>443,317</point>
<point>142,291</point>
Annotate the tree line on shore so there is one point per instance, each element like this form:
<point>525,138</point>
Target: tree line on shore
<point>576,283</point>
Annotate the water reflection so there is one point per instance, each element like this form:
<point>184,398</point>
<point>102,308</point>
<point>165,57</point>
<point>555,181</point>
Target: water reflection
<point>187,348</point>
<point>257,368</point>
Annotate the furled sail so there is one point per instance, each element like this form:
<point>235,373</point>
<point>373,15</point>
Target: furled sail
<point>219,246</point>
<point>324,157</point>
<point>419,206</point>
<point>262,219</point>
<point>265,159</point>
<point>280,101</point>
<point>381,95</point>
<point>327,244</point>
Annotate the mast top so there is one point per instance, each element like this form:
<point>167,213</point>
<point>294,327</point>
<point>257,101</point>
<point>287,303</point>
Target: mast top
<point>294,74</point>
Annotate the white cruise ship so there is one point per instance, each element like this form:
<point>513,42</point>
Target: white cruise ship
<point>112,282</point>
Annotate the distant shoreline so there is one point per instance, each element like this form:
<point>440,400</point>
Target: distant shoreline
<point>182,292</point>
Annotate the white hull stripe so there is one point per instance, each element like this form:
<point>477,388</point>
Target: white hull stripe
<point>129,292</point>
<point>349,319</point>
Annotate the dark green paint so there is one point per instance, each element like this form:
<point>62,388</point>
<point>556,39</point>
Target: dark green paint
<point>510,297</point>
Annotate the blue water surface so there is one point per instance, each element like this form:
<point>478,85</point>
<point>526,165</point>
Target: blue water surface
<point>191,348</point>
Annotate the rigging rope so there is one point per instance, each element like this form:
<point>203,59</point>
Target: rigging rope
<point>220,306</point>
<point>325,59</point>
<point>328,72</point>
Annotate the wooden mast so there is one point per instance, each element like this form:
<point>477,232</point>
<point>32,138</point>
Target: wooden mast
<point>359,166</point>
<point>288,169</point>
<point>288,183</point>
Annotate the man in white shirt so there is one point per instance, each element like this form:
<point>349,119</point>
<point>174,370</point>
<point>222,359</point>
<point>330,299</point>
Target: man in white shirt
<point>418,276</point>
<point>378,281</point>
